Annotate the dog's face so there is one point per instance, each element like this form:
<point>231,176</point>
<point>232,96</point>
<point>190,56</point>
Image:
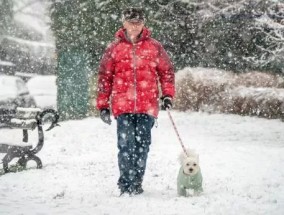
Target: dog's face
<point>190,165</point>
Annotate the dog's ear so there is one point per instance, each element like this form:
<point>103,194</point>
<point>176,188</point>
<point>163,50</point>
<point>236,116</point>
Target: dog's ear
<point>182,157</point>
<point>189,152</point>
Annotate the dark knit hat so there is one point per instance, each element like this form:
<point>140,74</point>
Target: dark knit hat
<point>133,14</point>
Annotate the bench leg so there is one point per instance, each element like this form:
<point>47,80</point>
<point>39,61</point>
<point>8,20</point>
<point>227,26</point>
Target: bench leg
<point>37,160</point>
<point>25,159</point>
<point>6,160</point>
<point>25,135</point>
<point>22,162</point>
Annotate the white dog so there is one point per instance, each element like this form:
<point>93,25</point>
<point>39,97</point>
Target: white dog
<point>189,176</point>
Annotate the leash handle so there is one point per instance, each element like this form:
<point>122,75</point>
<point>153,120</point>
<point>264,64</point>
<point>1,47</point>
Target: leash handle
<point>174,125</point>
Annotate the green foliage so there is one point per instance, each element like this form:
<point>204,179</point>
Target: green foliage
<point>228,40</point>
<point>193,33</point>
<point>86,24</point>
<point>177,28</point>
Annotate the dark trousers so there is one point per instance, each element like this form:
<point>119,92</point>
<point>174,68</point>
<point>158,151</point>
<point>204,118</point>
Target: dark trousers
<point>134,139</point>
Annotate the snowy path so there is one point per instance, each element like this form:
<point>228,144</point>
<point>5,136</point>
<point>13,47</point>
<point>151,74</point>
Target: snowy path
<point>241,159</point>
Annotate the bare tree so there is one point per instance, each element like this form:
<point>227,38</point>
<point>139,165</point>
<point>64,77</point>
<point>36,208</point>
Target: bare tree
<point>270,27</point>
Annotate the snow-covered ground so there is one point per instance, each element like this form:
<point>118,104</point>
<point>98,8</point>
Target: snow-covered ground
<point>241,159</point>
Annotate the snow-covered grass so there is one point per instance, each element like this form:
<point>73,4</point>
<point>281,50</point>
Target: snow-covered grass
<point>241,160</point>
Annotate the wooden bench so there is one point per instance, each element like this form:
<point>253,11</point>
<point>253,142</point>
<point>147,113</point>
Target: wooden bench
<point>26,119</point>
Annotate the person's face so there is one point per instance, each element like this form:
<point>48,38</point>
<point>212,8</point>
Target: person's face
<point>133,28</point>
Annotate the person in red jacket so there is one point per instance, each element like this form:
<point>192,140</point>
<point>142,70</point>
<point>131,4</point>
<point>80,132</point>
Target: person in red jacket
<point>128,83</point>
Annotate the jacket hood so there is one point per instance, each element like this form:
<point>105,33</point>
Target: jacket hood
<point>121,34</point>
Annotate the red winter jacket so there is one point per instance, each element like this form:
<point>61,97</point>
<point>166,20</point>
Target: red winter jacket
<point>129,75</point>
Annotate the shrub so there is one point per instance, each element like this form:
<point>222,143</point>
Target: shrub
<point>264,102</point>
<point>211,90</point>
<point>259,79</point>
<point>197,88</point>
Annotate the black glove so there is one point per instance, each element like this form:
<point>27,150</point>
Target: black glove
<point>167,102</point>
<point>105,116</point>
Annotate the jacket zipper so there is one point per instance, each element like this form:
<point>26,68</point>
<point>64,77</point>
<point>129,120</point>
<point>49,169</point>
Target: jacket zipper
<point>135,76</point>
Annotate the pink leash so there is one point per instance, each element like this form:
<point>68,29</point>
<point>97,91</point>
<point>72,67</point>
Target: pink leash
<point>181,143</point>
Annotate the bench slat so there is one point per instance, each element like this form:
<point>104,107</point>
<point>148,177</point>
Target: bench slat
<point>28,124</point>
<point>27,113</point>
